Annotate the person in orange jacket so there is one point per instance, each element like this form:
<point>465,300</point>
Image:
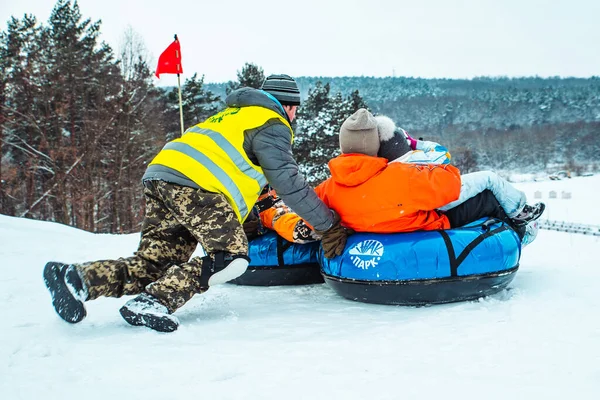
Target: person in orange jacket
<point>372,195</point>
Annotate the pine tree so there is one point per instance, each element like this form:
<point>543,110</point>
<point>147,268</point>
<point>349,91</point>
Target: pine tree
<point>82,79</point>
<point>198,104</point>
<point>356,101</point>
<point>318,124</point>
<point>251,75</point>
<point>318,99</point>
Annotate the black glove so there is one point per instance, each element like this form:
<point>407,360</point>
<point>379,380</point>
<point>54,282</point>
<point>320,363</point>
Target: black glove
<point>252,227</point>
<point>333,240</point>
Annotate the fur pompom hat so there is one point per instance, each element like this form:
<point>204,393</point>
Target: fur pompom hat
<point>358,134</point>
<point>393,143</point>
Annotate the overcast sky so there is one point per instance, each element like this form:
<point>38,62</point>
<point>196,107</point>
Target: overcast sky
<point>418,38</point>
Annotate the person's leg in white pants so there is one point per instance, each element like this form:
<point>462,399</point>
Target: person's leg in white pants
<point>511,199</point>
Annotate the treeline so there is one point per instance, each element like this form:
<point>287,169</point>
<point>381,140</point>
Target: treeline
<point>527,124</point>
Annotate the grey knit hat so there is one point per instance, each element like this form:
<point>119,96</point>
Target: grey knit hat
<point>393,142</point>
<point>283,88</point>
<point>358,134</point>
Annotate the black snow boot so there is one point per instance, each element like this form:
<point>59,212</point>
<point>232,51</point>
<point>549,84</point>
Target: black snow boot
<point>67,290</point>
<point>146,310</point>
<point>529,214</point>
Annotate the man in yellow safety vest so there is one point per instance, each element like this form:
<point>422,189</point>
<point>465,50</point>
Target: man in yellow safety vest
<point>199,189</point>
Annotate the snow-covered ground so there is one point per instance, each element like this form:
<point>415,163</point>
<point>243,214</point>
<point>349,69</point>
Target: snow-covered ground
<point>538,340</point>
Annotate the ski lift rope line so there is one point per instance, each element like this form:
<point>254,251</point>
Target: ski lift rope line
<point>570,227</point>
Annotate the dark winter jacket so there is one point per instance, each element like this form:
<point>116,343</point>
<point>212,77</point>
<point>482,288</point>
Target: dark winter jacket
<point>269,147</point>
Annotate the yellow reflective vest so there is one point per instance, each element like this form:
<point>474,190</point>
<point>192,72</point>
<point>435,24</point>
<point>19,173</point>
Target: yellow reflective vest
<point>211,154</point>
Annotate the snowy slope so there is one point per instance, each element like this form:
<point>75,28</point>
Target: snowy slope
<point>539,339</point>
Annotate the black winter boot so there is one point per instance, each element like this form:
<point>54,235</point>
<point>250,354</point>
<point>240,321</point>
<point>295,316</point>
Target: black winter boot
<point>529,214</point>
<point>223,269</point>
<point>67,290</point>
<point>146,310</point>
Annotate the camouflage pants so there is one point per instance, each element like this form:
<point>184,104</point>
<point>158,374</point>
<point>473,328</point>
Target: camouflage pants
<point>177,219</point>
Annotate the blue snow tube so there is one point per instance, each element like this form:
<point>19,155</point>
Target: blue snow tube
<point>275,261</point>
<point>425,267</point>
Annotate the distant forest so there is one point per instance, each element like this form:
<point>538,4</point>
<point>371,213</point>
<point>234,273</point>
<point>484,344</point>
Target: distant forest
<point>525,124</point>
<point>79,121</point>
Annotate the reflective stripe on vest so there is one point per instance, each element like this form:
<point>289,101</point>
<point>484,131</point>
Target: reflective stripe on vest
<point>235,155</point>
<point>211,154</point>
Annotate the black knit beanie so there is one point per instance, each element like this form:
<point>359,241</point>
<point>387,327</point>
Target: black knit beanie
<point>283,88</point>
<point>393,142</point>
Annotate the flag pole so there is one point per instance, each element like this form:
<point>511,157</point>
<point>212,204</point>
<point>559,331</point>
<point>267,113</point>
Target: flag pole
<point>180,104</point>
<point>180,101</point>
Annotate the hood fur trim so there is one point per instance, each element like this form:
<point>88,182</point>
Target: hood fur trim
<point>385,128</point>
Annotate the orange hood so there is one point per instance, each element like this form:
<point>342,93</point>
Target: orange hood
<point>355,169</point>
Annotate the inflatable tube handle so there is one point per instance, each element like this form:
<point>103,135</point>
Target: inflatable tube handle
<point>487,224</point>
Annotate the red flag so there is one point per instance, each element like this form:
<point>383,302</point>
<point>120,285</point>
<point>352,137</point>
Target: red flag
<point>169,61</point>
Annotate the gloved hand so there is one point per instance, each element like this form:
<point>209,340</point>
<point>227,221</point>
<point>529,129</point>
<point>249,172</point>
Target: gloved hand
<point>252,227</point>
<point>412,142</point>
<point>333,240</point>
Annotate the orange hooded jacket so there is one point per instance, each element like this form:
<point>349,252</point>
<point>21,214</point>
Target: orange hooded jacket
<point>373,196</point>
